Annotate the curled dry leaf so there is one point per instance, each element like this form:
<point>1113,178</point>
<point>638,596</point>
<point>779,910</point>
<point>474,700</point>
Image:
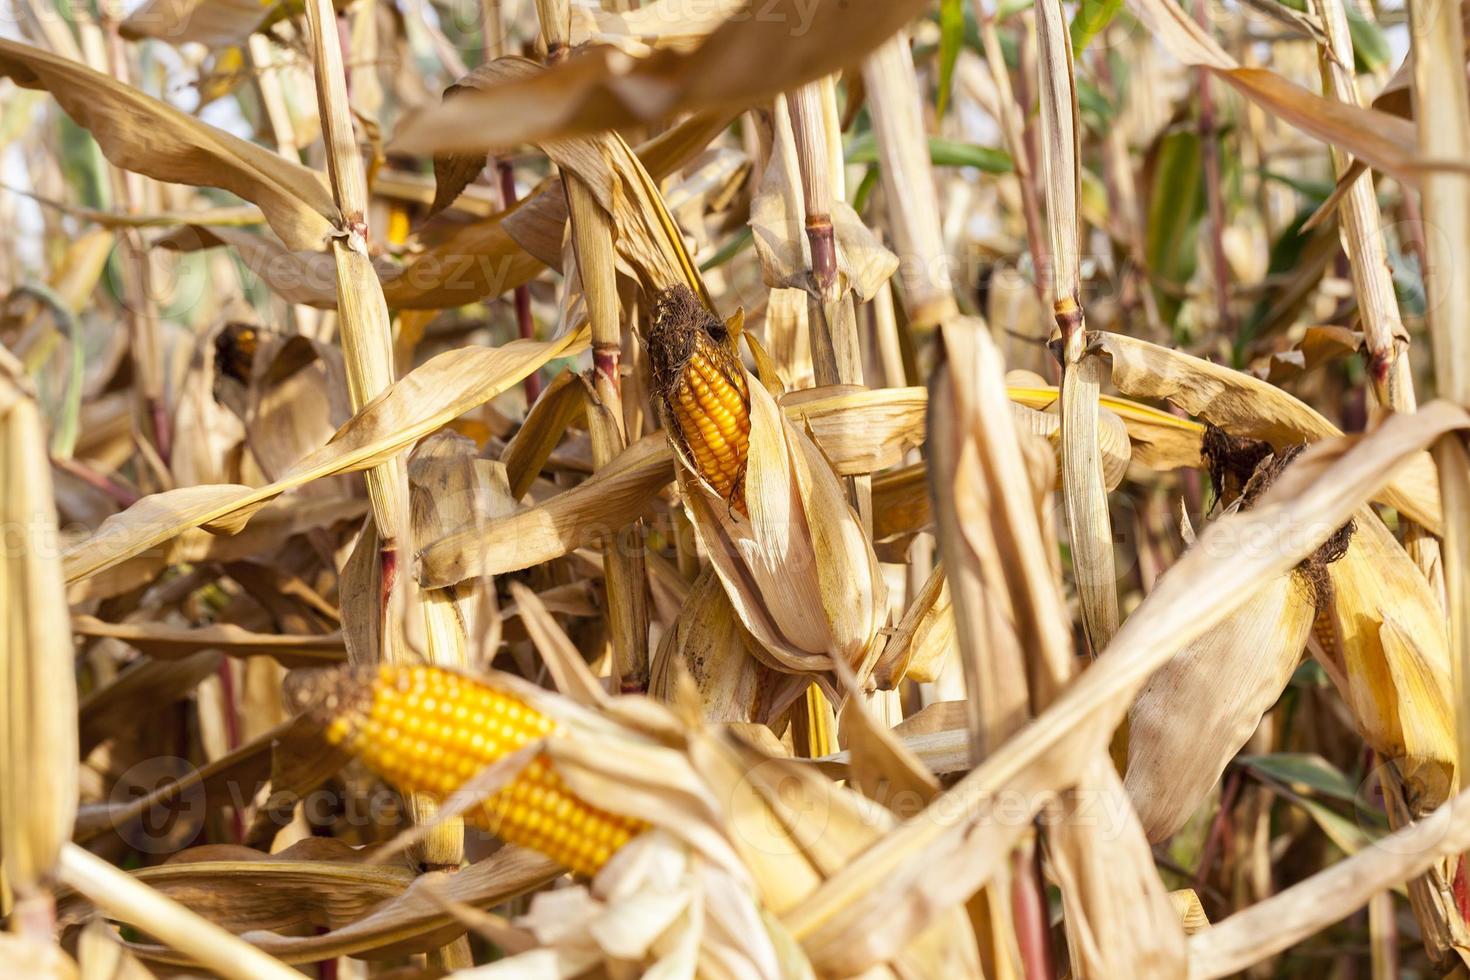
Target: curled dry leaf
<point>140,133</point>
<point>742,61</point>
<point>417,404</point>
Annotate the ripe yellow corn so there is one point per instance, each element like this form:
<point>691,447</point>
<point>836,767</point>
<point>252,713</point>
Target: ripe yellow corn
<point>704,391</point>
<point>429,730</point>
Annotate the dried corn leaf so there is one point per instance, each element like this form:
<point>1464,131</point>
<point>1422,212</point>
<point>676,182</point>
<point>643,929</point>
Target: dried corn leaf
<point>140,133</point>
<point>316,883</point>
<point>853,918</point>
<point>213,23</point>
<point>1383,141</point>
<point>164,642</point>
<point>923,642</point>
<point>420,402</point>
<point>743,61</point>
<point>128,900</point>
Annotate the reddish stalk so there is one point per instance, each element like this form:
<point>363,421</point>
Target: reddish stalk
<point>525,326</point>
<point>120,494</point>
<point>1033,924</point>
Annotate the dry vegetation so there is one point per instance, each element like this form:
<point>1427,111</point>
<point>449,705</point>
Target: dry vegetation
<point>734,488</point>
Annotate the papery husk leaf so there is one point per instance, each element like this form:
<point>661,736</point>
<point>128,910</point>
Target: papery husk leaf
<point>1384,640</point>
<point>1198,709</point>
<point>708,644</point>
<point>799,571</point>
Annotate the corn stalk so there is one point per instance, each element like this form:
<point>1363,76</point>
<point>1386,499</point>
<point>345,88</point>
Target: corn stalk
<point>837,357</point>
<point>367,347</point>
<point>1084,495</point>
<point>624,575</point>
<point>38,734</point>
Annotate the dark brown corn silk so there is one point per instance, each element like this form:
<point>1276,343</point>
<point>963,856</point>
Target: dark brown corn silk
<point>1244,469</point>
<point>701,389</point>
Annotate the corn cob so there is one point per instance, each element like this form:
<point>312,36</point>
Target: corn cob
<point>702,389</point>
<point>429,730</point>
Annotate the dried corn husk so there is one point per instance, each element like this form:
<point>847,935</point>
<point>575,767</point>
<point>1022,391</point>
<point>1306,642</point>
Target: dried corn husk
<point>1385,642</point>
<point>924,641</point>
<point>708,644</point>
<point>1203,705</point>
<point>800,571</point>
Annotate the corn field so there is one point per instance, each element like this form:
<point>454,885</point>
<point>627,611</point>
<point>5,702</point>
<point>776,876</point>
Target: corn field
<point>741,489</point>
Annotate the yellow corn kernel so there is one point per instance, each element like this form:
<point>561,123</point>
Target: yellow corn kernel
<point>429,730</point>
<point>704,391</point>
